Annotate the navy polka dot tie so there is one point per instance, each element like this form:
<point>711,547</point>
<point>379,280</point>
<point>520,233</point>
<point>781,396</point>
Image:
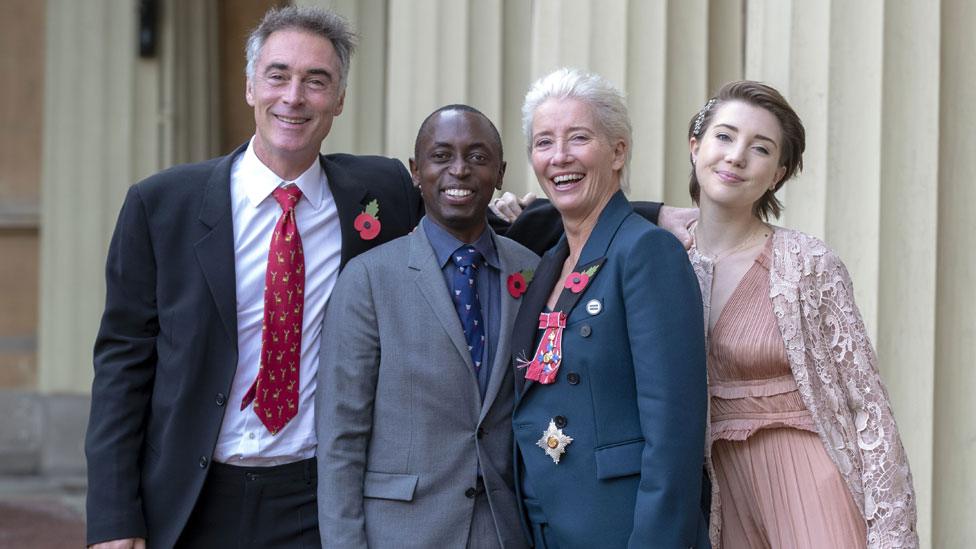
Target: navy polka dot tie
<point>465,295</point>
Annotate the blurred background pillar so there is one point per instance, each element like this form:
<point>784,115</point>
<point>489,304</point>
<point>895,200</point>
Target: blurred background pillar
<point>954,479</point>
<point>111,117</point>
<point>865,79</point>
<point>884,88</point>
<point>91,141</point>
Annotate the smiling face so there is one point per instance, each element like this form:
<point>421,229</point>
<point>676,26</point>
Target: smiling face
<point>458,167</point>
<point>295,94</point>
<point>737,157</point>
<point>577,165</point>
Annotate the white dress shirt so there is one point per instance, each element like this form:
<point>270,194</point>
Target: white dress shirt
<point>243,439</point>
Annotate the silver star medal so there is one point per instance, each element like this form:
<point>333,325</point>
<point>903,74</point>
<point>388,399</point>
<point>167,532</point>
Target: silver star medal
<point>554,442</point>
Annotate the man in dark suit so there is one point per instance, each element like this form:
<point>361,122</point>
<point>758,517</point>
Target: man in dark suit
<point>202,422</point>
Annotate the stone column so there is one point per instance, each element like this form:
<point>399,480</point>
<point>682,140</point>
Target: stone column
<point>864,78</point>
<point>190,114</point>
<point>662,55</point>
<point>440,52</point>
<point>909,239</point>
<point>954,492</point>
<point>111,118</point>
<point>90,157</point>
<point>361,128</point>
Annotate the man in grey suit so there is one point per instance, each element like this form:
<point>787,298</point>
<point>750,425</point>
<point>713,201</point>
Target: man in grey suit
<point>415,394</point>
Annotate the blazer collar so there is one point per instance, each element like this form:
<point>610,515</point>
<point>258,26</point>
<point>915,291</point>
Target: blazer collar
<point>430,282</point>
<point>351,198</point>
<point>216,195</point>
<point>509,307</point>
<point>526,324</point>
<point>215,250</point>
<point>607,225</point>
<point>594,252</point>
<point>422,260</point>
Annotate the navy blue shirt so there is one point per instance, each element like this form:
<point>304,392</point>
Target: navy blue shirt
<point>444,245</point>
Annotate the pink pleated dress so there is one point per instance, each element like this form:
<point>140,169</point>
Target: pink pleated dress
<point>777,486</point>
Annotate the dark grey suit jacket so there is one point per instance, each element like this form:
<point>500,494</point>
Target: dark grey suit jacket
<point>401,426</point>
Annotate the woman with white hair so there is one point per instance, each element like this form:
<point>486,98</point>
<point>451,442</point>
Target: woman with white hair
<point>608,345</point>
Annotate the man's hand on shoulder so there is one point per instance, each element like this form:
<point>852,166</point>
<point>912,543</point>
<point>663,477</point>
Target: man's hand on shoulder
<point>677,221</point>
<point>130,543</point>
<point>508,206</point>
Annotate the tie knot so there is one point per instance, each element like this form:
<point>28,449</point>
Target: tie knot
<point>287,197</point>
<point>466,256</point>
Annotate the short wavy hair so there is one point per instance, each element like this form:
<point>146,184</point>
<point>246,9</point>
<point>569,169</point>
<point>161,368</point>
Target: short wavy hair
<point>325,23</point>
<point>791,149</point>
<point>608,103</point>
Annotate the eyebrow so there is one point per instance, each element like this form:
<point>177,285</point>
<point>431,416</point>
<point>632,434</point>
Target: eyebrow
<point>284,67</point>
<point>758,135</point>
<point>475,145</point>
<point>568,130</point>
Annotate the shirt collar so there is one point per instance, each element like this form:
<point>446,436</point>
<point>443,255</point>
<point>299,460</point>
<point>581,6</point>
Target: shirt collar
<point>260,181</point>
<point>444,243</point>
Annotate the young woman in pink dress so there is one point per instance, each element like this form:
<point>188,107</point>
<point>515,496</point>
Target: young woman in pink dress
<point>803,449</point>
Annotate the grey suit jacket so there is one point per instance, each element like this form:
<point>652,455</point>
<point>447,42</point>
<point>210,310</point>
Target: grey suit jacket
<point>401,426</point>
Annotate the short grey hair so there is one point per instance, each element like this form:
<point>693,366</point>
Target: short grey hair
<point>608,103</point>
<point>325,23</point>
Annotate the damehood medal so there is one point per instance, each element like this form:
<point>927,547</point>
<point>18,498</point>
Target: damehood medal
<point>554,442</point>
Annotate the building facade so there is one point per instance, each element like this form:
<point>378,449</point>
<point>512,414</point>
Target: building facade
<point>885,89</point>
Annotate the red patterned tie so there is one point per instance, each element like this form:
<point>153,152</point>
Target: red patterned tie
<point>275,389</point>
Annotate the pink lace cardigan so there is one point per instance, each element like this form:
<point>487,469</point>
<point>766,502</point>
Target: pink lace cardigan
<point>837,375</point>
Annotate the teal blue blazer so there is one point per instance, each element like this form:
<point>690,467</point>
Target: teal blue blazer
<point>631,392</point>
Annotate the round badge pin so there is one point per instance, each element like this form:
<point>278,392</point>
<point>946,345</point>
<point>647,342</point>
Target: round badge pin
<point>594,307</point>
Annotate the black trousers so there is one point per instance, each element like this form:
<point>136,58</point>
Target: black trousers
<point>247,507</point>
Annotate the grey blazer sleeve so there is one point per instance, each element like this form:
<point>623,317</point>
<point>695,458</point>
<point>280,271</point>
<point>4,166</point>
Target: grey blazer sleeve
<point>348,370</point>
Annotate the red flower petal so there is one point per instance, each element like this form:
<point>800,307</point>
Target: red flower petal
<point>359,222</point>
<point>516,285</point>
<point>576,282</point>
<point>367,225</point>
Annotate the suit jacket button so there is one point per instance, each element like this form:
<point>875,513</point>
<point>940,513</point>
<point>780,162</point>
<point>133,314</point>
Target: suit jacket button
<point>481,432</point>
<point>470,493</point>
<point>560,421</point>
<point>572,378</point>
<point>221,399</point>
<point>203,462</point>
<point>585,330</point>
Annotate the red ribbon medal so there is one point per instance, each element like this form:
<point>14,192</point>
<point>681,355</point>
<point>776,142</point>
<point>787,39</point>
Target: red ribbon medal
<point>549,354</point>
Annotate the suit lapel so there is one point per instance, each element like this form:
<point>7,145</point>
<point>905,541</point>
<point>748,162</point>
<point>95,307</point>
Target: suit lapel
<point>607,225</point>
<point>594,253</point>
<point>509,307</point>
<point>430,282</point>
<point>215,251</point>
<point>533,301</point>
<point>351,198</point>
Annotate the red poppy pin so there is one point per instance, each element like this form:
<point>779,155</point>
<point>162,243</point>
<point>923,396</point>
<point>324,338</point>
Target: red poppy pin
<point>576,282</point>
<point>368,222</point>
<point>518,282</point>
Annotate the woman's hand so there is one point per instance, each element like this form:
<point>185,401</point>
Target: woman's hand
<point>508,206</point>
